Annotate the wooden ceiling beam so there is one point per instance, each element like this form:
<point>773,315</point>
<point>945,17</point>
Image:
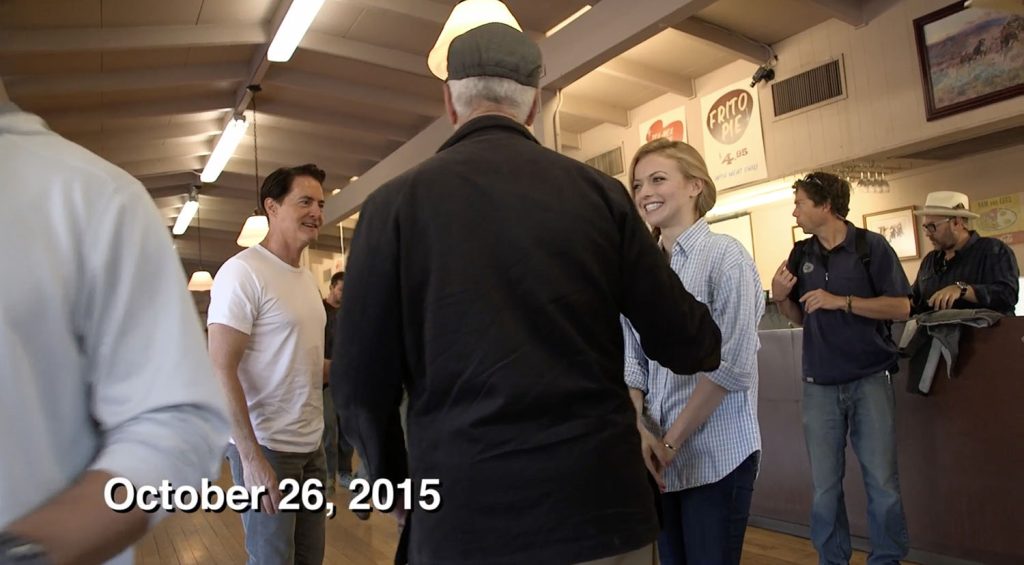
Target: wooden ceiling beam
<point>18,41</point>
<point>113,81</point>
<point>355,92</point>
<point>365,52</point>
<point>745,48</point>
<point>647,76</point>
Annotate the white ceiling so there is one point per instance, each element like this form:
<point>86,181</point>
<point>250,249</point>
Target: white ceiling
<point>149,84</point>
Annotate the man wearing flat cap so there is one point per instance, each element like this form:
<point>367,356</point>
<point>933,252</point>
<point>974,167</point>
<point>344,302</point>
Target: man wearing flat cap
<point>488,282</point>
<point>965,270</point>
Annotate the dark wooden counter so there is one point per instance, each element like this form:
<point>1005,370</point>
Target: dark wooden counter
<point>961,449</point>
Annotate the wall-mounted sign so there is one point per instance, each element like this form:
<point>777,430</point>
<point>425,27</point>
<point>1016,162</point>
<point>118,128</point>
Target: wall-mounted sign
<point>733,145</point>
<point>1001,217</point>
<point>670,125</point>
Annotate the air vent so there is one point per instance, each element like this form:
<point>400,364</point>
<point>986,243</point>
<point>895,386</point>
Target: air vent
<point>609,162</point>
<point>816,87</point>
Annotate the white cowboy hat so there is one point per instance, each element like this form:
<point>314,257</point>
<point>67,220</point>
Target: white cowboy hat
<point>946,203</point>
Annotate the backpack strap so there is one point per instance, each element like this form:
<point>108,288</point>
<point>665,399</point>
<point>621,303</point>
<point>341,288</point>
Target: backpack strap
<point>864,254</point>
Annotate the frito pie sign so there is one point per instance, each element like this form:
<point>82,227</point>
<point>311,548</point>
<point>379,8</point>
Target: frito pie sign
<point>729,116</point>
<point>733,145</point>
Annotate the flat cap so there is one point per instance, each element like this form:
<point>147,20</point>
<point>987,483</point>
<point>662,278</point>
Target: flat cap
<point>495,50</point>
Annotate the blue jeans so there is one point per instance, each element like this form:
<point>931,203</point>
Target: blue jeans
<point>865,409</point>
<point>286,538</point>
<point>706,524</point>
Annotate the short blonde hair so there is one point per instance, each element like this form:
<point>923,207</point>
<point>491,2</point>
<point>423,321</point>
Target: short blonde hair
<point>690,164</point>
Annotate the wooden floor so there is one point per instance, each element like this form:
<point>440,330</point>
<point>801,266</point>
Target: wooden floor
<point>201,538</point>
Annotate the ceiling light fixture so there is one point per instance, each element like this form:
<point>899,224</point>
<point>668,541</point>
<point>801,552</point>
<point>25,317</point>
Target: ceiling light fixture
<point>188,211</point>
<point>745,199</point>
<point>465,16</point>
<point>256,226</point>
<point>293,27</point>
<point>201,280</point>
<point>567,21</point>
<point>225,149</point>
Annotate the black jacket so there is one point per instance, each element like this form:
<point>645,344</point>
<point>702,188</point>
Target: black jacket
<point>985,263</point>
<point>488,281</point>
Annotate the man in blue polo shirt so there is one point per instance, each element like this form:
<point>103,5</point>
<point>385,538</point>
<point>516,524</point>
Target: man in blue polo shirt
<point>842,286</point>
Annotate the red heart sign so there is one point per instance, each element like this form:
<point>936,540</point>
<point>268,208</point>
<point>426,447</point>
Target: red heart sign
<point>674,131</point>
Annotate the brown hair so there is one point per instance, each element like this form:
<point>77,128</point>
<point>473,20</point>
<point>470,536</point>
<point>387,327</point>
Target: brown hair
<point>690,164</point>
<point>824,188</point>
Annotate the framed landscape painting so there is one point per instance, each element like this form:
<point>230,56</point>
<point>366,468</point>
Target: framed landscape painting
<point>898,227</point>
<point>969,57</point>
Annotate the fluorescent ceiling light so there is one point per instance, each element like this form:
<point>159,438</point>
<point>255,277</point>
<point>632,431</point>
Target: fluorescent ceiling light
<point>753,196</point>
<point>233,133</point>
<point>188,211</point>
<point>335,191</point>
<point>465,16</point>
<point>353,179</point>
<point>295,24</point>
<point>567,21</point>
<point>200,281</point>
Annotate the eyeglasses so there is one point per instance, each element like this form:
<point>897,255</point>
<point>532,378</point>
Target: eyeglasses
<point>932,226</point>
<point>810,178</point>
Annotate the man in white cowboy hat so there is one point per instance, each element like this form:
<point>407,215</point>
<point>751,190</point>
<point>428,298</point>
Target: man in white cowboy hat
<point>965,270</point>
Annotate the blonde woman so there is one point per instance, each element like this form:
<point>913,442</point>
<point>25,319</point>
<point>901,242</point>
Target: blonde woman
<point>700,434</point>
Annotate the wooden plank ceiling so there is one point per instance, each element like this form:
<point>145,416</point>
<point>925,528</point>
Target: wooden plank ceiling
<point>150,84</point>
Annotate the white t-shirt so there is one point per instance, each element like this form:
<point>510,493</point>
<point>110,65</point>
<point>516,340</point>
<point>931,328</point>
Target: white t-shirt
<point>281,371</point>
<point>102,362</point>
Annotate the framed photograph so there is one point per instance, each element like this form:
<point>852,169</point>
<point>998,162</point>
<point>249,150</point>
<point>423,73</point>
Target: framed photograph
<point>969,57</point>
<point>799,234</point>
<point>898,227</point>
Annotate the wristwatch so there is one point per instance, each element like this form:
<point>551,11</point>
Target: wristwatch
<point>15,550</point>
<point>963,288</point>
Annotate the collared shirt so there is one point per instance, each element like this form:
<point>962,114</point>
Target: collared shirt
<point>840,347</point>
<point>102,361</point>
<point>985,263</point>
<point>720,273</point>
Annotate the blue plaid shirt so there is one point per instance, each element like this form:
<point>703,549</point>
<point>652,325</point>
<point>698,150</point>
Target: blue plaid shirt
<point>719,272</point>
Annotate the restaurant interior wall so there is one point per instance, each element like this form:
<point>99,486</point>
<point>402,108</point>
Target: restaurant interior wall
<point>882,115</point>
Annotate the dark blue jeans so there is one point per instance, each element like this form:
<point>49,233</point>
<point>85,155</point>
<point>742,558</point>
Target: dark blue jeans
<point>706,524</point>
<point>865,409</point>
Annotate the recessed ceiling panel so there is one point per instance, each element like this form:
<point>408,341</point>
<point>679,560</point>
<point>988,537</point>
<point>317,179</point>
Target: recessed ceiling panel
<point>220,54</point>
<point>336,18</point>
<point>768,21</point>
<point>144,59</point>
<point>46,14</point>
<point>673,51</point>
<point>613,91</point>
<point>235,12</point>
<point>395,31</point>
<point>55,63</point>
<point>124,13</point>
<point>366,73</point>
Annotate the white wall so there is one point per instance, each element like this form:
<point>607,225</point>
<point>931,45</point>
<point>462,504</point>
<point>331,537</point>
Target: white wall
<point>885,105</point>
<point>980,177</point>
<point>884,111</point>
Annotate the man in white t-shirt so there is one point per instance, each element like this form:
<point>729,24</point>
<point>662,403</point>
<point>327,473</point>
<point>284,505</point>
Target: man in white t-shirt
<point>266,327</point>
